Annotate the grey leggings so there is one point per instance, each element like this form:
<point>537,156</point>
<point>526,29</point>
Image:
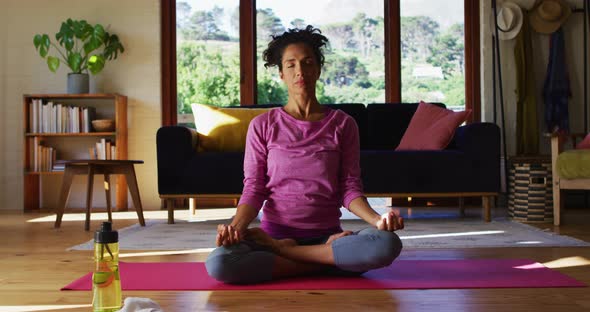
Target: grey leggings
<point>249,263</point>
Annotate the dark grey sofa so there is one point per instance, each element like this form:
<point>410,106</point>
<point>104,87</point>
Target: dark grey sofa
<point>469,166</point>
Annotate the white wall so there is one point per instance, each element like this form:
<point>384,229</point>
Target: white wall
<point>573,30</point>
<point>136,73</point>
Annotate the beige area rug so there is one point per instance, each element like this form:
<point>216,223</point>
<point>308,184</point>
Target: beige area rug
<point>419,233</point>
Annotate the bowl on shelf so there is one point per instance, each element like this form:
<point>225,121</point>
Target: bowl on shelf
<point>103,125</point>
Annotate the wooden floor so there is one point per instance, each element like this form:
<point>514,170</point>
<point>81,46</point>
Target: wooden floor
<point>34,265</point>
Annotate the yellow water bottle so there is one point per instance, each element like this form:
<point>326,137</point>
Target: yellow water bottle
<point>106,281</point>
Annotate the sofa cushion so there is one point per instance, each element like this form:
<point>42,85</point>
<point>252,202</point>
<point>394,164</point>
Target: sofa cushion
<point>387,123</point>
<point>223,129</point>
<point>359,113</point>
<point>574,164</point>
<point>585,143</point>
<point>386,171</point>
<point>431,128</point>
<point>213,173</point>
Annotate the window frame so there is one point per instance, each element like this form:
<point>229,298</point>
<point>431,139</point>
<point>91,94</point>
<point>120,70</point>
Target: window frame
<point>248,56</point>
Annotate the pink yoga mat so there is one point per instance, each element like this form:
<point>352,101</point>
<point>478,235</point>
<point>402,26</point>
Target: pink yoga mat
<point>402,274</point>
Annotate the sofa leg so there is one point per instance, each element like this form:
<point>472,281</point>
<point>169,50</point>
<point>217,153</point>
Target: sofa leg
<point>192,207</point>
<point>170,205</point>
<point>389,202</point>
<point>487,208</point>
<point>462,206</point>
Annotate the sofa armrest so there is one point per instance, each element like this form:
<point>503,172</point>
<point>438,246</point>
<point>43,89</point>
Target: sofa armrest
<point>482,138</point>
<point>175,146</point>
<point>481,143</point>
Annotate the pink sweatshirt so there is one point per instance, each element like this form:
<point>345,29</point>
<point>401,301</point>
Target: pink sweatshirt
<point>305,170</point>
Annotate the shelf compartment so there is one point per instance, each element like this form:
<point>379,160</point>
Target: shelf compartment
<point>90,134</point>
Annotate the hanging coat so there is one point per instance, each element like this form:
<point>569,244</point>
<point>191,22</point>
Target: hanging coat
<point>556,88</point>
<point>527,125</point>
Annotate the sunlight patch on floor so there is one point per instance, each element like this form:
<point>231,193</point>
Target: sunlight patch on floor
<point>213,214</point>
<point>180,215</point>
<point>559,263</point>
<point>96,216</point>
<point>30,308</point>
<point>165,253</point>
<point>451,234</point>
<point>567,262</point>
<point>531,266</point>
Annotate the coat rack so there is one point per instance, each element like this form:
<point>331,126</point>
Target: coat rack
<point>498,90</point>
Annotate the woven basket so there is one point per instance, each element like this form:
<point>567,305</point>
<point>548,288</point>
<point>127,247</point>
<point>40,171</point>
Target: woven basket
<point>530,191</point>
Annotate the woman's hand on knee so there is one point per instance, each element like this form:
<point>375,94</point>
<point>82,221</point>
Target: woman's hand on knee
<point>227,235</point>
<point>336,236</point>
<point>390,221</point>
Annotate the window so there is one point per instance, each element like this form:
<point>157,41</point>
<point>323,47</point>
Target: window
<point>354,67</point>
<point>207,55</point>
<point>432,52</point>
<point>382,51</point>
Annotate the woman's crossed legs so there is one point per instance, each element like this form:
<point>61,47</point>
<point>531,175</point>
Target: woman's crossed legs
<point>261,258</point>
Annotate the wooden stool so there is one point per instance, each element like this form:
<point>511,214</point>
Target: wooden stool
<point>91,167</point>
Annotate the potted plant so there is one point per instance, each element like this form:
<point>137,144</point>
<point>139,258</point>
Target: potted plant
<point>83,47</point>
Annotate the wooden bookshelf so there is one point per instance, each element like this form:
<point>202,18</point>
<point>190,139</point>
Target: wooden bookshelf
<point>108,106</point>
<point>98,134</point>
<point>44,172</point>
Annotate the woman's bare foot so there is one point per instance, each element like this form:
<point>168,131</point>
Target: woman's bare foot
<point>259,236</point>
<point>336,236</point>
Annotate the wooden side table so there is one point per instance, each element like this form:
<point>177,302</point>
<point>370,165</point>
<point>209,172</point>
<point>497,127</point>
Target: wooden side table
<point>90,167</point>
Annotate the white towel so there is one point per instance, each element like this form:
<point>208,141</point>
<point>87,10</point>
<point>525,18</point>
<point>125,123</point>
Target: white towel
<point>134,304</point>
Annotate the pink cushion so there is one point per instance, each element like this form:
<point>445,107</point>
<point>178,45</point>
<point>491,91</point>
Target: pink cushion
<point>585,144</point>
<point>431,128</point>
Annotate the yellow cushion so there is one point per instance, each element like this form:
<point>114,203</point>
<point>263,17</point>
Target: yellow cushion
<point>574,164</point>
<point>223,129</point>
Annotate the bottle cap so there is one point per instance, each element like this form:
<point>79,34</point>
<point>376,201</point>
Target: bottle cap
<point>106,235</point>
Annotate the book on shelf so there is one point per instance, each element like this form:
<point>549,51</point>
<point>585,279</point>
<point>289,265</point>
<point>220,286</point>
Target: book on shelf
<point>97,150</point>
<point>43,157</point>
<point>108,150</point>
<point>103,149</point>
<point>34,156</point>
<point>89,114</point>
<point>59,118</point>
<point>59,165</point>
<point>33,116</point>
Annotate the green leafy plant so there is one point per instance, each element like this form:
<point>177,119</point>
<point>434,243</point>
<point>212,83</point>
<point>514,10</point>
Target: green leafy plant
<point>82,46</point>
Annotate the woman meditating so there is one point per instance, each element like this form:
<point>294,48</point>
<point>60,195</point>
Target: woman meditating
<point>303,160</point>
